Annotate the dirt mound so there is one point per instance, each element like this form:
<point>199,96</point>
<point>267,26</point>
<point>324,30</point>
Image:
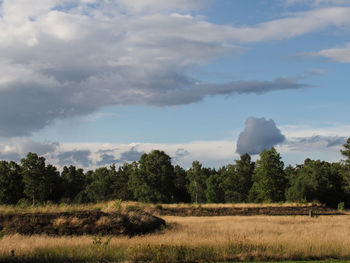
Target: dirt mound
<point>245,211</point>
<point>80,223</point>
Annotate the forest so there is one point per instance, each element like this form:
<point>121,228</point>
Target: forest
<point>154,179</point>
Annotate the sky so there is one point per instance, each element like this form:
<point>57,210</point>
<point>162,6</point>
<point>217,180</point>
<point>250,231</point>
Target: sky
<point>92,83</point>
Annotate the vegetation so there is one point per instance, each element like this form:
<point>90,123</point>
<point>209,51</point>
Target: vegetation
<point>153,179</point>
<point>200,239</point>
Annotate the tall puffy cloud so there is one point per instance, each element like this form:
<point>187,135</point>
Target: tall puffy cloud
<point>258,134</point>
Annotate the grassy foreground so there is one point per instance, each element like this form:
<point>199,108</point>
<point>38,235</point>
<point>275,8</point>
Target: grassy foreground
<point>197,239</point>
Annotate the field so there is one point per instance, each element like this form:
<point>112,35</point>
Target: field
<point>196,239</point>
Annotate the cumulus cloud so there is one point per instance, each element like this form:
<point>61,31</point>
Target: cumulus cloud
<point>64,58</point>
<point>258,134</point>
<point>131,155</point>
<point>15,149</point>
<point>107,159</point>
<point>75,157</point>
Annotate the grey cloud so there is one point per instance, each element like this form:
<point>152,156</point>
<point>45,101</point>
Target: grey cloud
<point>317,142</point>
<point>129,156</point>
<point>75,157</point>
<point>72,60</point>
<point>258,134</point>
<point>11,157</point>
<point>180,153</point>
<point>15,149</point>
<point>107,159</point>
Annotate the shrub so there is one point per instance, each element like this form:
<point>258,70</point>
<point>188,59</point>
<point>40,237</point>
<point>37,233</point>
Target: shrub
<point>117,204</point>
<point>341,206</point>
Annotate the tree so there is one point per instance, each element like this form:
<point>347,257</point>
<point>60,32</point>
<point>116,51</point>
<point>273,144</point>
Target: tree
<point>101,186</point>
<point>346,152</point>
<point>153,180</point>
<point>317,181</point>
<point>238,179</point>
<point>345,170</point>
<point>121,187</point>
<point>214,190</point>
<point>11,184</point>
<point>33,168</point>
<point>269,181</point>
<point>74,181</point>
<point>197,177</point>
<point>180,182</point>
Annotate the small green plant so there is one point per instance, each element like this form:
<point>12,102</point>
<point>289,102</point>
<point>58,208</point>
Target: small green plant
<point>117,204</point>
<point>159,206</point>
<point>341,206</point>
<point>62,204</point>
<point>23,203</point>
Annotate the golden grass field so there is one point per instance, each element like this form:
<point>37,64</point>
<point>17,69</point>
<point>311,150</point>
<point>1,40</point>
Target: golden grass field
<point>236,237</point>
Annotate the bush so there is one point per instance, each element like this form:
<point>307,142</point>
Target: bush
<point>117,204</point>
<point>159,206</point>
<point>23,203</point>
<point>341,206</point>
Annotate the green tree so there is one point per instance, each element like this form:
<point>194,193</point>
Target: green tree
<point>346,151</point>
<point>238,179</point>
<point>33,168</point>
<point>317,181</point>
<point>269,181</point>
<point>41,182</point>
<point>101,187</point>
<point>153,180</point>
<point>11,184</point>
<point>214,189</point>
<point>121,187</point>
<point>181,194</point>
<point>345,171</point>
<point>74,181</point>
<point>197,177</point>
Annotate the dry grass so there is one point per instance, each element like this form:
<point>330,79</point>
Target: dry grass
<point>110,206</point>
<point>255,236</point>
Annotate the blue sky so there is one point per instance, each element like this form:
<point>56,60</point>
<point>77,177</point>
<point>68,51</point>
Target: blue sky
<point>92,83</point>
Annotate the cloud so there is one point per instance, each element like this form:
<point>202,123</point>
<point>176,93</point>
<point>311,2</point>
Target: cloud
<point>316,3</point>
<point>340,55</point>
<point>15,149</point>
<point>315,142</point>
<point>130,155</point>
<point>75,157</point>
<point>258,134</point>
<point>61,58</point>
<point>180,153</point>
<point>107,159</point>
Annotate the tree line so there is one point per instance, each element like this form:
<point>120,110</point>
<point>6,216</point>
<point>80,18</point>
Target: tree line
<point>153,179</point>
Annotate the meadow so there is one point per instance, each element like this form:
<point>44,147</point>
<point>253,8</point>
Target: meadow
<point>195,239</point>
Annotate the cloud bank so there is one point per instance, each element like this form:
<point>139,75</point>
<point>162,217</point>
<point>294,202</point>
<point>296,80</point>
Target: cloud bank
<point>258,134</point>
<point>65,58</point>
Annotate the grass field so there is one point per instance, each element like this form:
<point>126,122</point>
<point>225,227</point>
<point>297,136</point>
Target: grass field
<point>197,239</point>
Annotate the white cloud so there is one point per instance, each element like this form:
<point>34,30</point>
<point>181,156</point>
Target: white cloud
<point>340,55</point>
<point>316,3</point>
<point>60,58</point>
